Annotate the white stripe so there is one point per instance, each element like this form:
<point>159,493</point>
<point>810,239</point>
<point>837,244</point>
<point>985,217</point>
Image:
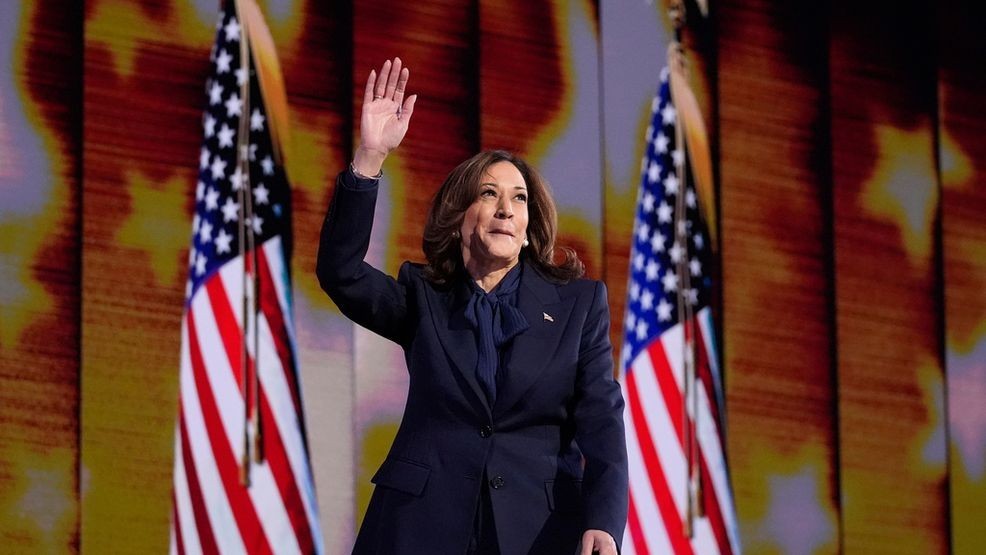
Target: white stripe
<point>183,504</point>
<point>224,526</point>
<point>263,491</point>
<point>648,514</point>
<point>286,419</point>
<point>172,548</point>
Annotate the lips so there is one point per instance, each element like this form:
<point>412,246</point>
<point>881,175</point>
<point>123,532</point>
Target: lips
<point>501,232</point>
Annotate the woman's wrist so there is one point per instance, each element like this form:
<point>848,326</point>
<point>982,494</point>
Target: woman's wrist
<point>368,163</point>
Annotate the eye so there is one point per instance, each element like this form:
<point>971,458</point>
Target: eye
<point>521,197</point>
<point>487,193</point>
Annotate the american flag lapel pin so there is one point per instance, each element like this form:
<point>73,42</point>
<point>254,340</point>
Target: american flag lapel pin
<point>548,317</point>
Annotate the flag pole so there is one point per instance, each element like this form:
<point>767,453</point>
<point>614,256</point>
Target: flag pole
<point>693,483</point>
<point>247,238</point>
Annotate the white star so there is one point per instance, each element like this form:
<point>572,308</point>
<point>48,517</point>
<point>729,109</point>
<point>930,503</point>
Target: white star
<point>690,198</point>
<point>638,261</point>
<point>630,320</point>
<point>268,165</point>
<point>218,168</point>
<point>232,30</point>
<point>647,300</point>
<point>664,310</point>
<point>256,223</point>
<point>675,252</point>
<point>241,76</point>
<point>195,223</point>
<point>215,93</point>
<point>655,103</point>
<point>657,241</point>
<point>191,255</point>
<point>188,288</point>
<point>222,241</point>
<point>226,137</point>
<point>671,184</point>
<point>231,210</point>
<point>698,240</point>
<point>199,265</point>
<point>209,124</point>
<point>625,353</point>
<point>261,194</point>
<point>695,267</point>
<point>648,203</point>
<point>211,199</point>
<point>643,231</point>
<point>257,120</point>
<point>205,232</point>
<point>665,72</point>
<point>653,172</point>
<point>234,107</point>
<point>670,282</point>
<point>634,291</point>
<point>652,270</point>
<point>664,213</point>
<point>641,330</point>
<point>199,190</point>
<point>667,115</point>
<point>223,60</point>
<point>203,158</point>
<point>236,180</point>
<point>692,296</point>
<point>661,145</point>
<point>678,157</point>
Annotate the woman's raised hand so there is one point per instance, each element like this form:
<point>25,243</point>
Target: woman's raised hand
<point>385,118</point>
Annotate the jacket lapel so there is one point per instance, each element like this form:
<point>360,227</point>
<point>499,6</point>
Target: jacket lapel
<point>458,338</point>
<point>534,349</point>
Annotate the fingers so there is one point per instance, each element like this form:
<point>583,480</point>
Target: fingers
<point>408,108</point>
<point>395,74</point>
<point>370,82</point>
<point>381,86</point>
<point>401,84</point>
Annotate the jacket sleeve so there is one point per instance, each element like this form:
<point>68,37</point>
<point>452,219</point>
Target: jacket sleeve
<point>363,293</point>
<point>599,425</point>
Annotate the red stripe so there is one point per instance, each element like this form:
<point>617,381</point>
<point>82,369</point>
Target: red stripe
<point>673,400</point>
<point>636,534</point>
<point>704,372</point>
<point>244,512</point>
<point>273,444</point>
<point>176,526</point>
<point>202,526</point>
<point>665,503</point>
<point>271,307</point>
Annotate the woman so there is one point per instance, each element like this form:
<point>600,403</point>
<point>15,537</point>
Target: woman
<point>511,371</point>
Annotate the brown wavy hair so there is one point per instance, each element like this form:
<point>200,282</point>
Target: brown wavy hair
<point>461,188</point>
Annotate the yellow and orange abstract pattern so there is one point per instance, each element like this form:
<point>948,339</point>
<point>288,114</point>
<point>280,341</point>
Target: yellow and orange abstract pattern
<point>848,159</point>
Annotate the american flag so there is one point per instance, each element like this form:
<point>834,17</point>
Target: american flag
<point>680,494</point>
<point>242,479</point>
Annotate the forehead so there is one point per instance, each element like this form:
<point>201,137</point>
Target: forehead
<point>504,174</point>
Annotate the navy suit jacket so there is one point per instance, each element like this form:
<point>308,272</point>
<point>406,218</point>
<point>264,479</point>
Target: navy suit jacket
<point>557,405</point>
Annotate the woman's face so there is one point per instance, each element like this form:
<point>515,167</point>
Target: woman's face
<point>495,224</point>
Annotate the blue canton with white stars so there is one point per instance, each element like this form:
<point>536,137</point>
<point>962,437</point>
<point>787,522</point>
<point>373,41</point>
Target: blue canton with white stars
<point>215,225</point>
<point>655,286</point>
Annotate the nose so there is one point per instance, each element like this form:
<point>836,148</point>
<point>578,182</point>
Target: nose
<point>503,209</point>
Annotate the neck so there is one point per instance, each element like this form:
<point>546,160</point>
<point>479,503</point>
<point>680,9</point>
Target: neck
<point>488,276</point>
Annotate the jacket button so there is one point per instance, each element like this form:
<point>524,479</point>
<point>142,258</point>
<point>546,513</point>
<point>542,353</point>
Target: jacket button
<point>496,483</point>
<point>486,431</point>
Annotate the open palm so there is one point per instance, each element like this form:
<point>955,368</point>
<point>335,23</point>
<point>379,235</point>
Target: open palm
<point>386,113</point>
